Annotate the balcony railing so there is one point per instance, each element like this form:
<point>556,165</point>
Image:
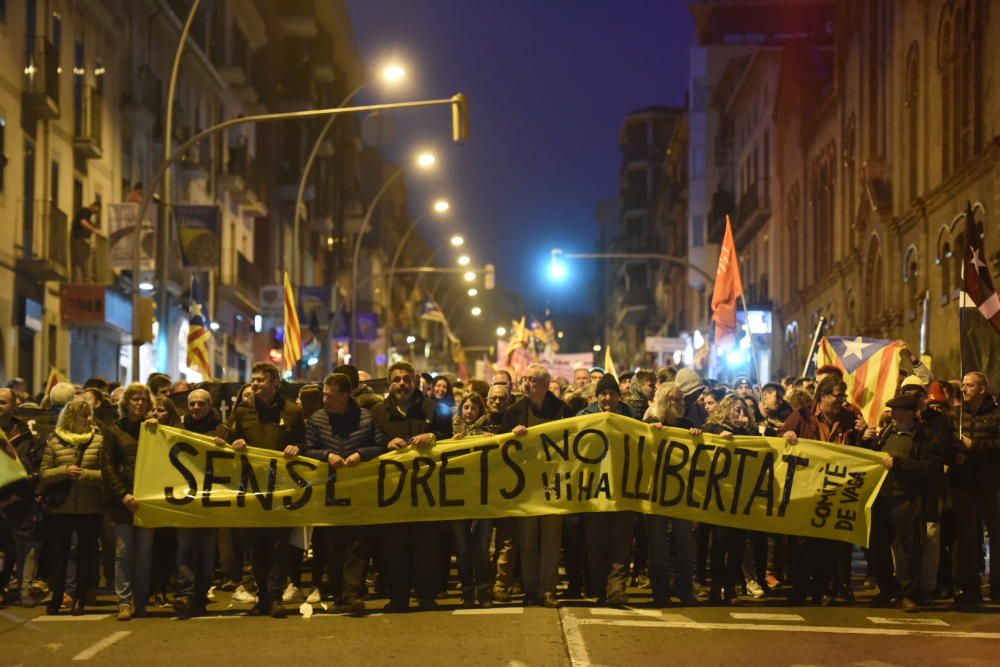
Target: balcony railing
<point>40,84</point>
<point>45,242</point>
<point>87,125</point>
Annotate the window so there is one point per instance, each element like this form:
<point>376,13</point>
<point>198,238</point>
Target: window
<point>912,132</point>
<point>874,304</point>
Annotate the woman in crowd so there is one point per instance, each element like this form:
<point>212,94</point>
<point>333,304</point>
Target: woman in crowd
<point>71,486</point>
<point>133,544</point>
<point>665,534</point>
<point>732,416</point>
<point>444,400</point>
<point>164,539</point>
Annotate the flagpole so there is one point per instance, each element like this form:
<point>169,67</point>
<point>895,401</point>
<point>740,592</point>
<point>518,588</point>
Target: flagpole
<point>812,347</point>
<point>962,331</point>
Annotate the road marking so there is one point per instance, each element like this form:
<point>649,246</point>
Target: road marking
<point>23,622</point>
<point>573,639</point>
<point>88,653</point>
<point>72,619</point>
<point>820,629</point>
<point>912,620</point>
<point>488,612</point>
<point>760,616</point>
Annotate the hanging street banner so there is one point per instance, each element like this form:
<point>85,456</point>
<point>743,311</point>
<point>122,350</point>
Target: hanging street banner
<point>121,236</point>
<point>198,228</point>
<point>594,463</point>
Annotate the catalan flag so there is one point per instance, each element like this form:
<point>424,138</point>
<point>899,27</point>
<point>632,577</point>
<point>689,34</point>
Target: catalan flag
<point>293,333</point>
<point>871,369</point>
<point>55,377</point>
<point>199,335</point>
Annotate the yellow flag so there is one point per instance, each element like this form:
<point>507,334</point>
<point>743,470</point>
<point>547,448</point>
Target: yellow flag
<point>609,364</point>
<point>11,469</point>
<point>595,463</point>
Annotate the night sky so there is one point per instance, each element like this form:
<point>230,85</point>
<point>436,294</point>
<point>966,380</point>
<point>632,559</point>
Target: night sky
<point>549,82</point>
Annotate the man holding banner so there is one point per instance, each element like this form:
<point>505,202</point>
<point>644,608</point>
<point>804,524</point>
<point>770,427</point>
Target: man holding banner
<point>272,422</point>
<point>343,435</point>
<point>410,551</point>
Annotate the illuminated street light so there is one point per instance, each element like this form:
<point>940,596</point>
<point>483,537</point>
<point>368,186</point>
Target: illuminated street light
<point>464,260</point>
<point>501,331</point>
<point>476,311</point>
<point>473,291</point>
<point>410,340</point>
<point>146,286</point>
<point>557,267</point>
<point>426,159</point>
<point>393,73</point>
<point>469,276</point>
<point>457,241</point>
<point>597,348</point>
<point>441,206</point>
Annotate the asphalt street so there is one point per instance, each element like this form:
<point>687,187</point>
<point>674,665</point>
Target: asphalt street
<point>752,632</point>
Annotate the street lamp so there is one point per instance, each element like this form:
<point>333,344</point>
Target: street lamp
<point>441,206</point>
<point>501,331</point>
<point>476,311</point>
<point>391,74</point>
<point>459,130</point>
<point>424,160</point>
<point>469,276</point>
<point>558,269</point>
<point>473,291</point>
<point>457,241</point>
<point>464,260</point>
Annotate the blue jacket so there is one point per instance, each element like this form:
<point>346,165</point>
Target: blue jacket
<point>353,431</point>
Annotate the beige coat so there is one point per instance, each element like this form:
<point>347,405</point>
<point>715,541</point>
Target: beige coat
<point>86,494</point>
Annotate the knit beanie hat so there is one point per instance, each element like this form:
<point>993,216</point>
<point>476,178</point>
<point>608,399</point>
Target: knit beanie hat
<point>607,383</point>
<point>688,381</point>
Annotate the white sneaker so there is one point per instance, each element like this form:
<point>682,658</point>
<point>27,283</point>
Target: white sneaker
<point>292,594</point>
<point>314,597</point>
<point>210,595</point>
<point>754,589</point>
<point>242,595</point>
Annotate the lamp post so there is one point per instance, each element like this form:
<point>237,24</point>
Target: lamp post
<point>557,270</point>
<point>424,160</point>
<point>459,122</point>
<point>392,74</point>
<point>440,206</point>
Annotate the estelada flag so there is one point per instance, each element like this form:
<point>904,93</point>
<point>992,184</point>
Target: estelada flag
<point>199,335</point>
<point>871,370</point>
<point>978,283</point>
<point>728,288</point>
<point>292,351</point>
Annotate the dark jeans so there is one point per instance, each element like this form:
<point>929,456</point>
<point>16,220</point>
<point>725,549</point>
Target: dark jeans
<point>471,540</point>
<point>232,552</point>
<point>411,557</point>
<point>195,563</point>
<point>59,533</point>
<point>345,550</point>
<point>727,557</point>
<point>666,536</point>
<point>896,529</point>
<point>609,547</point>
<point>574,556</point>
<point>269,558</point>
<point>966,499</point>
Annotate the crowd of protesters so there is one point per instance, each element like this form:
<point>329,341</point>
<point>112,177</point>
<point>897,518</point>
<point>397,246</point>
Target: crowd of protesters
<point>69,527</point>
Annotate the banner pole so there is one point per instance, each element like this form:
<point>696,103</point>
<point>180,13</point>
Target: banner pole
<point>812,347</point>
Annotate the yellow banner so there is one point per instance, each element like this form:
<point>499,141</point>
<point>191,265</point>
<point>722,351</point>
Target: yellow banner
<point>11,469</point>
<point>594,463</point>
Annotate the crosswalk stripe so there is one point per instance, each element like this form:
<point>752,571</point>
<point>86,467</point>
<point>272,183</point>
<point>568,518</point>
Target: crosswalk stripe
<point>913,620</point>
<point>760,616</point>
<point>73,619</point>
<point>488,612</point>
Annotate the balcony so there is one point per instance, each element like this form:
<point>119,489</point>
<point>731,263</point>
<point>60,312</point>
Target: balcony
<point>45,243</point>
<point>87,125</point>
<point>142,105</point>
<point>243,287</point>
<point>751,211</point>
<point>297,18</point>
<point>40,98</point>
<point>238,175</point>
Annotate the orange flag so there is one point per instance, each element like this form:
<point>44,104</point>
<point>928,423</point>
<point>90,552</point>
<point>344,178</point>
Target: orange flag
<point>728,288</point>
